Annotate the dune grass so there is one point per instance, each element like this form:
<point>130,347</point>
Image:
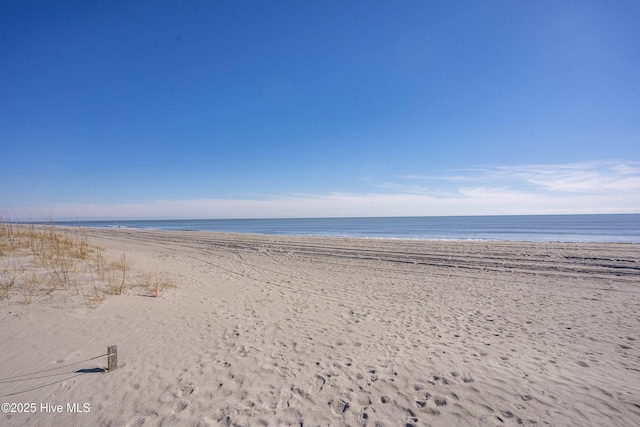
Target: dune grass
<point>42,261</point>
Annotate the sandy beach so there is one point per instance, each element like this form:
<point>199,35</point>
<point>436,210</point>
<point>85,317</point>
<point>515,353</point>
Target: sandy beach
<point>291,331</point>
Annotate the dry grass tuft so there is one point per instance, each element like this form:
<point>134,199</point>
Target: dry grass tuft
<point>118,281</point>
<point>153,284</point>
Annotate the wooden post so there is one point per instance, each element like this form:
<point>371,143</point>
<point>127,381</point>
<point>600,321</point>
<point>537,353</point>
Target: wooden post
<point>112,360</point>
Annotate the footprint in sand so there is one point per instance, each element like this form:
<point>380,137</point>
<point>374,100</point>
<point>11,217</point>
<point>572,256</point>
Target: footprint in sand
<point>231,335</point>
<point>223,364</point>
<point>507,414</point>
<point>185,390</point>
<point>243,351</point>
<point>284,371</point>
<point>442,380</point>
<point>138,422</point>
<point>180,406</point>
<point>363,417</point>
<point>319,382</point>
<point>412,414</point>
<point>440,401</point>
<point>285,400</point>
<point>208,422</point>
<point>338,406</point>
<point>278,356</point>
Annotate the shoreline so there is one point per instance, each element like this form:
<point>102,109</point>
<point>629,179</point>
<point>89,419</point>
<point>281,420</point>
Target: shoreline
<point>373,238</point>
<point>265,329</point>
<point>530,228</point>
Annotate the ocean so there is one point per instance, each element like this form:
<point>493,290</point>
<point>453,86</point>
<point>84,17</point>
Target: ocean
<point>536,228</point>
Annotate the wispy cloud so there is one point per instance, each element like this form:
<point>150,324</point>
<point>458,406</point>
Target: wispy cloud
<point>593,187</point>
<point>586,177</point>
<point>593,177</point>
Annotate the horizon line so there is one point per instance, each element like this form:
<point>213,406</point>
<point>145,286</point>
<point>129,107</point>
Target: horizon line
<point>60,220</point>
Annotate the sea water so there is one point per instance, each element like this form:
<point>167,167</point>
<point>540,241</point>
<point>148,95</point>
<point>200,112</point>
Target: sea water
<point>537,228</point>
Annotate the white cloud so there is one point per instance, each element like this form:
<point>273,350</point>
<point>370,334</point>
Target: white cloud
<point>592,177</point>
<point>596,187</point>
<point>586,177</point>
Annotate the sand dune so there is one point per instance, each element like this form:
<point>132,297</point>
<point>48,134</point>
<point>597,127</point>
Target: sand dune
<point>273,331</point>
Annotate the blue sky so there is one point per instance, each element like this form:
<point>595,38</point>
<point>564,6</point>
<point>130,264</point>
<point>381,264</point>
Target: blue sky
<point>244,109</point>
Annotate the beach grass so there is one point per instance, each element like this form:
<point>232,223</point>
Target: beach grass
<point>47,261</point>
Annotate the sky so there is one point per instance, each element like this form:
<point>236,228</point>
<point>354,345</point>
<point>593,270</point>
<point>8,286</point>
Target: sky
<point>258,109</point>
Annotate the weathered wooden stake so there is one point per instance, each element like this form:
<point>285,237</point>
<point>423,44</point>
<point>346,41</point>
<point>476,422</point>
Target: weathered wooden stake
<point>112,361</point>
